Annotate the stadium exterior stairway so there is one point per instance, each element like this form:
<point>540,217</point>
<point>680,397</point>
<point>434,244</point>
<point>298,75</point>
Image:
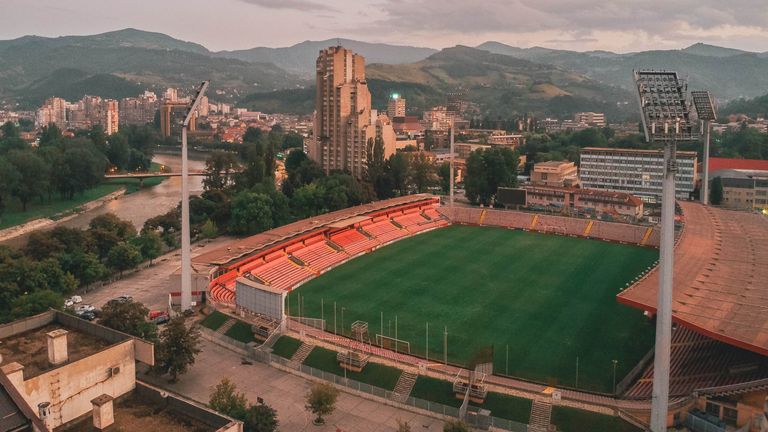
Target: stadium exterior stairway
<point>403,387</point>
<point>541,415</point>
<point>302,353</point>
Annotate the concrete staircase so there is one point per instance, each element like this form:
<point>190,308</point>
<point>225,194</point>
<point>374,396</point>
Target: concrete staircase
<point>541,415</point>
<point>226,326</point>
<point>403,387</point>
<point>302,353</point>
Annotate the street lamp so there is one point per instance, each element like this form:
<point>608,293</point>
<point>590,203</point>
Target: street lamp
<point>186,251</point>
<point>342,320</point>
<point>615,362</point>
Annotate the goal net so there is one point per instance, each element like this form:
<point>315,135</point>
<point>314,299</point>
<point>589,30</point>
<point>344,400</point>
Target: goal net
<point>397,345</point>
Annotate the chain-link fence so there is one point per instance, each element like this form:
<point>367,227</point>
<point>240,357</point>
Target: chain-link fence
<point>474,418</point>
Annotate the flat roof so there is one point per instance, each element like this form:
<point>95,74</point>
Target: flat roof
<point>636,151</point>
<point>720,274</point>
<point>134,413</point>
<point>263,287</point>
<point>246,246</point>
<point>30,348</point>
<point>552,164</point>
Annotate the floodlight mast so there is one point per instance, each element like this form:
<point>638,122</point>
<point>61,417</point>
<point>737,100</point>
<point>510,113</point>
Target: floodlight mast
<point>665,118</point>
<point>451,186</point>
<point>186,248</point>
<point>705,109</point>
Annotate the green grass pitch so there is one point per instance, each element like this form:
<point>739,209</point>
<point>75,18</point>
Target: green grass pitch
<point>550,299</point>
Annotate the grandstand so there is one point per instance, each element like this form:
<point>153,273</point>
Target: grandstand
<point>720,298</point>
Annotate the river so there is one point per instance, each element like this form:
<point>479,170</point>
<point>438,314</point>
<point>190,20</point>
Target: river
<point>141,205</point>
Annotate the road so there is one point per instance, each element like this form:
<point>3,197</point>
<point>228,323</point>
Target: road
<point>149,285</point>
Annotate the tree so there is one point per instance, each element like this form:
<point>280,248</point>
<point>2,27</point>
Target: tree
<point>110,222</point>
<point>10,179</point>
<point>150,245</point>
<point>128,317</point>
<point>321,400</point>
<point>32,178</point>
<point>178,348</point>
<point>422,171</point>
<point>84,266</point>
<point>260,418</point>
<point>397,168</point>
<point>444,172</point>
<point>226,400</point>
<point>251,213</point>
<point>219,170</point>
<point>716,191</point>
<point>487,170</point>
<point>455,426</point>
<point>35,303</point>
<point>309,200</point>
<point>41,245</point>
<point>123,256</point>
<point>209,229</point>
<point>50,135</point>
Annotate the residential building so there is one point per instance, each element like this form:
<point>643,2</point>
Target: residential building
<point>344,120</point>
<point>139,110</point>
<point>64,373</point>
<point>555,173</point>
<point>438,118</point>
<point>110,116</point>
<point>396,106</point>
<point>512,141</point>
<point>743,189</point>
<point>54,110</point>
<point>638,172</point>
<point>172,116</point>
<point>586,200</point>
<point>590,118</point>
<point>171,94</point>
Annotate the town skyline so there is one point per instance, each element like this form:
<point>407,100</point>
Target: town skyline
<point>578,26</point>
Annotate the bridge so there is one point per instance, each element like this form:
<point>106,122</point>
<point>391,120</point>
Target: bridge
<point>142,176</point>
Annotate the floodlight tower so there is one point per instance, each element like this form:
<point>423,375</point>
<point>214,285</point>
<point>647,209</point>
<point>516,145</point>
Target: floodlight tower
<point>452,168</point>
<point>705,109</point>
<point>665,119</point>
<point>186,251</point>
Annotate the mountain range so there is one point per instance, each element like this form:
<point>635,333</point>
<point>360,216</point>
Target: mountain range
<point>501,78</point>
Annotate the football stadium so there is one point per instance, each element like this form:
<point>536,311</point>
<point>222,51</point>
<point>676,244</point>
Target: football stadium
<point>508,304</point>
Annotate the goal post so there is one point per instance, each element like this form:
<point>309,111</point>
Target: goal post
<point>390,343</point>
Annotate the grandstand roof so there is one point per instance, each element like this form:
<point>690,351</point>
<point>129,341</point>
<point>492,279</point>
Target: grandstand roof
<point>716,164</point>
<point>721,269</point>
<point>248,245</point>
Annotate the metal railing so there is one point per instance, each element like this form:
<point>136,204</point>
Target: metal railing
<point>433,407</point>
<point>697,424</point>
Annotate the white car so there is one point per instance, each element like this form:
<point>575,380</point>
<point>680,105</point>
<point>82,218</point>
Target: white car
<point>76,299</point>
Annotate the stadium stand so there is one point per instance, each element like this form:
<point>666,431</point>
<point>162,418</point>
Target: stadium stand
<point>612,231</point>
<point>312,247</point>
<point>721,264</point>
<point>318,255</point>
<point>698,362</point>
<point>281,272</point>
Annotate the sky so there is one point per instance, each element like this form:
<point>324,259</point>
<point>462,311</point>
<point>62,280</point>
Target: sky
<point>613,25</point>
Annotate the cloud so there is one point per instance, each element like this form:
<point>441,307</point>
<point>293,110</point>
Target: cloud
<point>297,5</point>
<point>573,21</point>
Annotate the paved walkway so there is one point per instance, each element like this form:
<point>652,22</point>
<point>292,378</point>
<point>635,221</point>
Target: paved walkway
<point>285,393</point>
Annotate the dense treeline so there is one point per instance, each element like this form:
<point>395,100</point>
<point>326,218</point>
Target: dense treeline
<point>53,264</point>
<point>66,166</point>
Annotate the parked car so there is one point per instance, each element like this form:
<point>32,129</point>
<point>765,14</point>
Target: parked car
<point>88,315</point>
<point>161,319</point>
<point>82,308</point>
<point>121,299</point>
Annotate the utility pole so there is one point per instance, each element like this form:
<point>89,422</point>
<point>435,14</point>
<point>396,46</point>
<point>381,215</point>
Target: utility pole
<point>452,171</point>
<point>186,242</point>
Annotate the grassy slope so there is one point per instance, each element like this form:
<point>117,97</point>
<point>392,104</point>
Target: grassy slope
<point>214,320</point>
<point>241,331</point>
<point>375,374</point>
<point>13,215</point>
<point>550,298</point>
<point>285,346</point>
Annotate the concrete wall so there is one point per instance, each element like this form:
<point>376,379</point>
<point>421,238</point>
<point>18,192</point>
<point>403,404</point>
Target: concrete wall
<point>179,405</point>
<point>70,388</point>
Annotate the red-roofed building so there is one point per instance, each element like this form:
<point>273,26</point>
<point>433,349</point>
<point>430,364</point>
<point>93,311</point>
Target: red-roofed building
<point>716,164</point>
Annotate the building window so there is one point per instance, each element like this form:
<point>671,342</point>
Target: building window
<point>730,416</point>
<point>713,409</point>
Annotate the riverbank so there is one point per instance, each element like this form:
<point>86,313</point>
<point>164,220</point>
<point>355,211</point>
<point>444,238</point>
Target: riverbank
<point>49,222</point>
